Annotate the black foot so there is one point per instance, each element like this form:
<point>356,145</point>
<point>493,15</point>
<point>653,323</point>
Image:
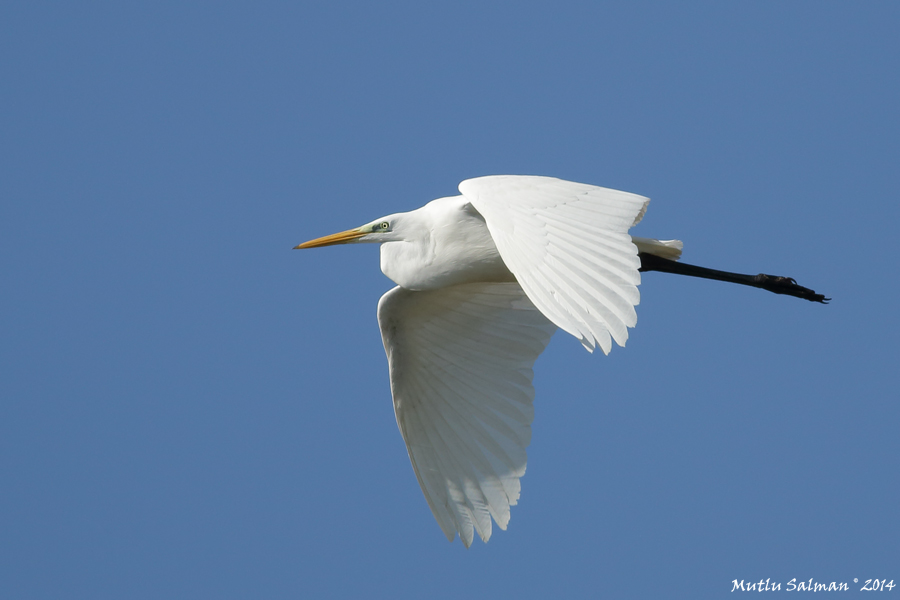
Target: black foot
<point>787,285</point>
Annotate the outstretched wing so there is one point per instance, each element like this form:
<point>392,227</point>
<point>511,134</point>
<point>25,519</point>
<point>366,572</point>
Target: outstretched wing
<point>461,362</point>
<point>568,246</point>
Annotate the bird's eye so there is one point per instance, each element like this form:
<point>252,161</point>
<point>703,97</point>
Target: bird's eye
<point>385,225</point>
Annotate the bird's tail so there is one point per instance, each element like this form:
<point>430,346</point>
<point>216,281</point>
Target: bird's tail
<point>669,249</point>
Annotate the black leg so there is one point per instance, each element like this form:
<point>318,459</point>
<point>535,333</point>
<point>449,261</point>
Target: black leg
<point>772,283</point>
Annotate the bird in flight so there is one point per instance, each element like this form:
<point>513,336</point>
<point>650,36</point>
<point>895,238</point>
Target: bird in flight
<point>484,279</point>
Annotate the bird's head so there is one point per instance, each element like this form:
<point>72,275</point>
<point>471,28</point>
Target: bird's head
<point>385,229</point>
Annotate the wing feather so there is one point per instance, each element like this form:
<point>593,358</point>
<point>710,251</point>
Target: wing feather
<point>568,246</point>
<point>461,362</point>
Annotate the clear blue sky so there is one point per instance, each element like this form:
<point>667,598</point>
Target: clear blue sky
<point>190,409</point>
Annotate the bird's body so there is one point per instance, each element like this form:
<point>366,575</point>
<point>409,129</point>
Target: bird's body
<point>483,281</point>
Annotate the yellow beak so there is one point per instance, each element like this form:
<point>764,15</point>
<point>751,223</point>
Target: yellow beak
<point>335,238</point>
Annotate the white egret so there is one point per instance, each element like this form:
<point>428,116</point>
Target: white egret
<point>483,281</point>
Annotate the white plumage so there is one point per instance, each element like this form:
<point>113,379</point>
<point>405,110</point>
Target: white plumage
<point>568,246</point>
<point>484,279</point>
<point>460,360</point>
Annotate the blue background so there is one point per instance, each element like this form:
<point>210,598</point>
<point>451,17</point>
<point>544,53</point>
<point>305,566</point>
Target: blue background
<point>190,409</point>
